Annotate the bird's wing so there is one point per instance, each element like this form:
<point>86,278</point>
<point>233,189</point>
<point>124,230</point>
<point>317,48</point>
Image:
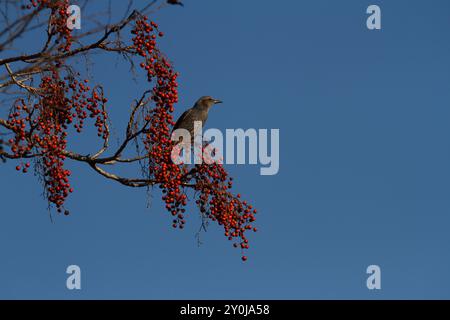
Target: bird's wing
<point>182,118</point>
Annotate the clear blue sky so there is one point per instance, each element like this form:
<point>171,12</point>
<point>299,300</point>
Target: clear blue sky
<point>364,119</point>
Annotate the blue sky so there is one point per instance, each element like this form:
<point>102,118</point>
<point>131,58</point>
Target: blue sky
<point>364,166</point>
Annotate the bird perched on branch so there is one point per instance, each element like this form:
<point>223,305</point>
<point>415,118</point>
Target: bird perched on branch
<point>199,112</point>
<point>176,2</point>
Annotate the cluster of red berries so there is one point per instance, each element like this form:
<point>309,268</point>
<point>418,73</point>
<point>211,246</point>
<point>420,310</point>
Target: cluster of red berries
<point>59,17</point>
<point>144,40</point>
<point>157,139</point>
<point>84,106</point>
<point>19,144</point>
<point>217,203</point>
<point>43,127</point>
<point>52,120</point>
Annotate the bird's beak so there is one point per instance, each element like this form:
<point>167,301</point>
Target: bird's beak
<point>217,101</point>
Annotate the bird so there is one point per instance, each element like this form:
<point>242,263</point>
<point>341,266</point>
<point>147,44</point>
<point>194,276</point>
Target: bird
<point>199,112</point>
<point>175,2</point>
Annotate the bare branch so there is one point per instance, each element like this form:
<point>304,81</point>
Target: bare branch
<point>20,83</point>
